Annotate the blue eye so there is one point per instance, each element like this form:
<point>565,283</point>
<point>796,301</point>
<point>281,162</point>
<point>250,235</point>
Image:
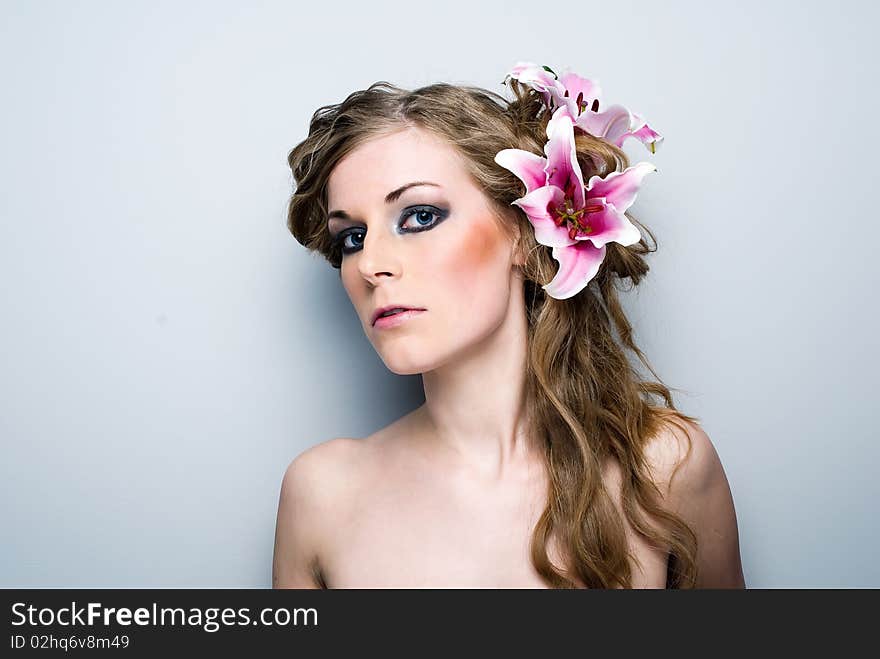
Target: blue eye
<point>421,214</point>
<point>424,219</point>
<point>348,248</point>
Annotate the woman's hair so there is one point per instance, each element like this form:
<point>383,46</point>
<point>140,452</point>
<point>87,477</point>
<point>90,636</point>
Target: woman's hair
<point>585,401</point>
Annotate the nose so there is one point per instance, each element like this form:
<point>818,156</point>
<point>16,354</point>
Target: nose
<point>378,257</point>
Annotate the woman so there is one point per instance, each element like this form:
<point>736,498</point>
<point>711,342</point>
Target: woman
<point>539,458</point>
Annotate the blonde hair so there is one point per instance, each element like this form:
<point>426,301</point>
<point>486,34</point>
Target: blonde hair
<point>585,401</point>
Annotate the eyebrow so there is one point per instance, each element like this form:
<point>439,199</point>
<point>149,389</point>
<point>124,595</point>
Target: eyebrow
<point>391,197</point>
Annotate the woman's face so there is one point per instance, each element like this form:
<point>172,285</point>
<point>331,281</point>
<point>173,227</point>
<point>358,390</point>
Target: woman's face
<point>432,247</point>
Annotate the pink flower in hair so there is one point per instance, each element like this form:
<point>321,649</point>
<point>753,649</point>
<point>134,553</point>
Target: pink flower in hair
<point>570,90</point>
<point>577,221</point>
<point>615,124</point>
<point>581,96</point>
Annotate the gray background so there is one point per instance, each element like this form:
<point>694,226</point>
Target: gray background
<point>168,348</point>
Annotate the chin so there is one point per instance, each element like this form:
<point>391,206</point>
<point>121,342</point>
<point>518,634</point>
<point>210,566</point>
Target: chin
<point>401,365</point>
<point>405,358</point>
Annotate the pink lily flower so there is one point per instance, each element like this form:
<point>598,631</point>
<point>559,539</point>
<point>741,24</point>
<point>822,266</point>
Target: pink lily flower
<point>615,124</point>
<point>577,221</point>
<point>570,89</point>
<point>540,79</point>
<point>581,96</point>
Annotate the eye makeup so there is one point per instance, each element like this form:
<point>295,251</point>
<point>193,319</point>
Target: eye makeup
<point>421,221</point>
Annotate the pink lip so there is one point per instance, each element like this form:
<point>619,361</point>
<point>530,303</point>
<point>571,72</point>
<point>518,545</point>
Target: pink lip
<point>377,313</point>
<point>387,322</point>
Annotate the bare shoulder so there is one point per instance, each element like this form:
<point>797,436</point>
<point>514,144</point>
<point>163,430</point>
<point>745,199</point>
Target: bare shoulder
<point>342,466</point>
<point>692,480</point>
<point>319,470</point>
<point>314,489</point>
<point>685,455</point>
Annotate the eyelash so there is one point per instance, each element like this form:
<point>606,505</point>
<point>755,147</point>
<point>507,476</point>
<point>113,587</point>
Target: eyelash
<point>339,240</point>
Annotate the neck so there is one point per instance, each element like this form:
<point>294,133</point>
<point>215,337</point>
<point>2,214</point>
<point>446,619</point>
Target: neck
<point>475,406</point>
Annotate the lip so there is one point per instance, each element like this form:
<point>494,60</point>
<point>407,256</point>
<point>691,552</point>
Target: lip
<point>388,307</point>
<point>395,319</point>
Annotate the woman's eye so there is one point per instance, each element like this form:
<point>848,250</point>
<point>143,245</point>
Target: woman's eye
<point>356,242</point>
<point>422,218</point>
<point>417,219</point>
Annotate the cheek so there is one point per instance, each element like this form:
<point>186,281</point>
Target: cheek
<point>474,262</point>
<point>482,250</point>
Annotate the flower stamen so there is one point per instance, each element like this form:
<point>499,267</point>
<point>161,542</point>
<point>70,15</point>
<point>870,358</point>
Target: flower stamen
<point>574,218</point>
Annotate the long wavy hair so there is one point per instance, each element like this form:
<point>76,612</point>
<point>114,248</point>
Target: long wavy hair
<point>585,401</point>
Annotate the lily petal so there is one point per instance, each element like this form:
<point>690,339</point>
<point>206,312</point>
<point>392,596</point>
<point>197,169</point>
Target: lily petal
<point>529,167</point>
<point>539,206</point>
<point>648,136</point>
<point>562,168</point>
<point>537,77</point>
<point>620,188</point>
<point>574,85</point>
<point>617,124</point>
<point>610,225</point>
<point>560,120</point>
<point>578,264</point>
<point>610,124</point>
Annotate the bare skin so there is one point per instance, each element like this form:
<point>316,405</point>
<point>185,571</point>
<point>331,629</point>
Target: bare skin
<point>385,512</point>
<point>448,495</point>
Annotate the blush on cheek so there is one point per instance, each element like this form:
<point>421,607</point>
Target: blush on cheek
<point>481,275</point>
<point>482,244</point>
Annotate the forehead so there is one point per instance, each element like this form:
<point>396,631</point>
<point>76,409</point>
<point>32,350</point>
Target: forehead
<point>384,163</point>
